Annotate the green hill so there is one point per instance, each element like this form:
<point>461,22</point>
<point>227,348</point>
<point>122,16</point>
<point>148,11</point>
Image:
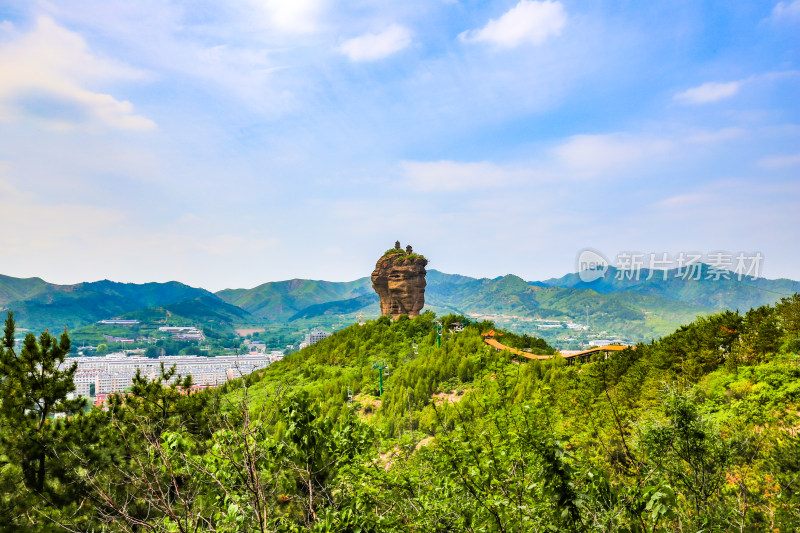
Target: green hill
<point>204,310</point>
<point>13,289</point>
<point>730,293</point>
<point>366,302</point>
<point>388,427</point>
<point>280,300</point>
<point>631,309</point>
<point>636,311</point>
<point>633,315</point>
<point>56,306</point>
<point>602,446</point>
<point>215,317</point>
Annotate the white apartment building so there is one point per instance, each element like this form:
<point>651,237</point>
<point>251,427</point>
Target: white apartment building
<point>115,372</point>
<point>184,333</point>
<point>315,336</point>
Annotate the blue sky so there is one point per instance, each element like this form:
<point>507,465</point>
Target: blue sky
<point>225,144</point>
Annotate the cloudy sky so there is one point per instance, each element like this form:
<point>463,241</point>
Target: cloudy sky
<point>225,144</point>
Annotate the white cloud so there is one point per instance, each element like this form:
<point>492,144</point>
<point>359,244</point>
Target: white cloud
<point>372,46</point>
<point>724,134</point>
<point>682,201</point>
<point>622,155</point>
<point>586,156</point>
<point>454,176</point>
<point>780,161</point>
<point>44,74</point>
<point>528,22</point>
<point>710,92</point>
<point>291,16</point>
<point>786,10</point>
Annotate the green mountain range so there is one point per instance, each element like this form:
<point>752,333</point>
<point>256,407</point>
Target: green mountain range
<point>39,305</point>
<point>699,288</point>
<point>279,301</point>
<point>633,309</point>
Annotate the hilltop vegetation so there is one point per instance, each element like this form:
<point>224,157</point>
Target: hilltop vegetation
<point>696,431</point>
<point>402,254</point>
<point>344,363</point>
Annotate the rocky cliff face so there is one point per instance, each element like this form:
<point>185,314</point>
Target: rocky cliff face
<point>399,280</point>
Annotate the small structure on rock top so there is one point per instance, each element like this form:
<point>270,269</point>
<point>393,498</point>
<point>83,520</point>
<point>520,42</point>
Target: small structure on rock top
<point>399,280</point>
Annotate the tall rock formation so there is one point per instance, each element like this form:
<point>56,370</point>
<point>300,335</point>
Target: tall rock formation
<point>399,280</point>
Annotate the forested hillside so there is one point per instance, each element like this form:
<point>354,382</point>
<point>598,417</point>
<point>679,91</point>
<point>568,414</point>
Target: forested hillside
<point>696,432</point>
<point>636,309</point>
<point>39,305</point>
<point>638,316</point>
<point>702,287</point>
<point>630,309</point>
<point>12,289</point>
<point>280,300</point>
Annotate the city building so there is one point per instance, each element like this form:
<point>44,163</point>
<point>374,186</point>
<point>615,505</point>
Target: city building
<point>315,336</point>
<point>184,333</point>
<point>115,372</point>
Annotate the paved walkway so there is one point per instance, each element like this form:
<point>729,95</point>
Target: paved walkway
<point>583,354</point>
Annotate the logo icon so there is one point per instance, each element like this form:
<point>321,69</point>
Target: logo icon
<point>591,265</point>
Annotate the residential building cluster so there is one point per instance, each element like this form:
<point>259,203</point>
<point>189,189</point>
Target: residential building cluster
<point>115,372</point>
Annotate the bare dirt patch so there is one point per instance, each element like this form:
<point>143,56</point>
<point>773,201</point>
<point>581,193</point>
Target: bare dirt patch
<point>453,397</point>
<point>244,332</point>
<point>396,453</point>
<point>368,405</point>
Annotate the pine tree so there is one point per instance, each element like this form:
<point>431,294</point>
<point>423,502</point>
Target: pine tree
<point>34,389</point>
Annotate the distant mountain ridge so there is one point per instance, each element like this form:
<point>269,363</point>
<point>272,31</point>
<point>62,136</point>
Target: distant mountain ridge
<point>634,314</point>
<point>280,300</point>
<point>38,305</point>
<point>649,307</point>
<point>13,289</point>
<point>730,293</point>
<point>646,306</point>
